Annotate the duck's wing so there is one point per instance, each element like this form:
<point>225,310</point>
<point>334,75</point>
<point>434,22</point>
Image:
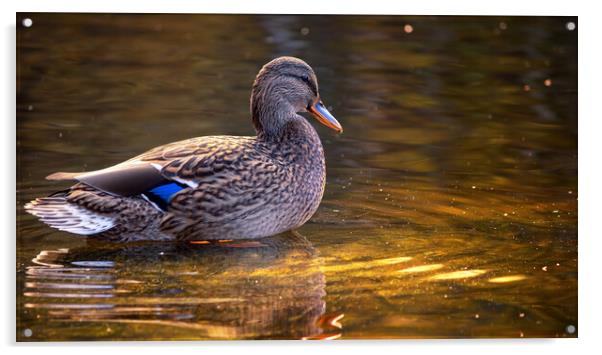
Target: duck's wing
<point>192,161</point>
<point>175,162</point>
<point>120,180</point>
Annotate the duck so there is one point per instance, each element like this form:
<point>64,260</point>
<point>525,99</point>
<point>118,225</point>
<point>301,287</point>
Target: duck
<point>211,187</point>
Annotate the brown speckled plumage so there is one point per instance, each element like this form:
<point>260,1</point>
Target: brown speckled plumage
<point>234,187</point>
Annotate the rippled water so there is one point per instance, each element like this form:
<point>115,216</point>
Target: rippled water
<point>450,207</point>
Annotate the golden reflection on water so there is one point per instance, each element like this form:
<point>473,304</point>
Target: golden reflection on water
<point>364,264</point>
<point>422,268</point>
<point>462,274</point>
<point>506,279</point>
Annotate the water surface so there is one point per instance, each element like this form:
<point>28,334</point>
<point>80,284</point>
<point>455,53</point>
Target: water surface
<point>450,207</point>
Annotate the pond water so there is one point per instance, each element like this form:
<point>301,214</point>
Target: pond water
<point>451,200</point>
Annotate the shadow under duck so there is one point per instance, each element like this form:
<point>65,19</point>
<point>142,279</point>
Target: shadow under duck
<point>213,187</point>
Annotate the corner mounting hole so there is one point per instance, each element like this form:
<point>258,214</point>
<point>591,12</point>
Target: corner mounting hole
<point>27,22</point>
<point>570,329</point>
<point>571,26</point>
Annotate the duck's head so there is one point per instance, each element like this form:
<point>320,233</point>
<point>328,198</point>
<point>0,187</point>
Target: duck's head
<point>284,87</point>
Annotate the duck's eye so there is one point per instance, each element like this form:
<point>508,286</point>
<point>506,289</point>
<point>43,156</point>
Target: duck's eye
<point>307,80</point>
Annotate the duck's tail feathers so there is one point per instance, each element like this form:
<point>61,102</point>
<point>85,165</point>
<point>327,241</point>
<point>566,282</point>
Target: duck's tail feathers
<point>63,176</point>
<point>58,213</point>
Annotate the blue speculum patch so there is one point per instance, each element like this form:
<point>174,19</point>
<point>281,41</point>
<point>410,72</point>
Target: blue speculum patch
<point>165,192</point>
<point>161,194</point>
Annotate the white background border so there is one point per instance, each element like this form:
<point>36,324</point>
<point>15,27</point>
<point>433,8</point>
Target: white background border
<point>590,116</point>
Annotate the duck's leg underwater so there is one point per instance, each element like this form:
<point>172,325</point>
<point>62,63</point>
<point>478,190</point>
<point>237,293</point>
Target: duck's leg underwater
<point>90,212</point>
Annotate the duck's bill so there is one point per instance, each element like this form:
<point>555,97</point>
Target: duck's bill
<point>326,118</point>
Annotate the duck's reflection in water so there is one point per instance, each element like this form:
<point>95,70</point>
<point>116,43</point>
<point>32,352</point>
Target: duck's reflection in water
<point>270,288</point>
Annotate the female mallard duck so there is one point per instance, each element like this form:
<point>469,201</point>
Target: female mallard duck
<point>215,187</point>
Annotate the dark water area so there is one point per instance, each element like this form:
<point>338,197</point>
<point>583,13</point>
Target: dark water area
<point>451,199</point>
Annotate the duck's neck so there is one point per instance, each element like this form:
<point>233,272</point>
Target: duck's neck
<point>292,129</point>
<point>276,120</point>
